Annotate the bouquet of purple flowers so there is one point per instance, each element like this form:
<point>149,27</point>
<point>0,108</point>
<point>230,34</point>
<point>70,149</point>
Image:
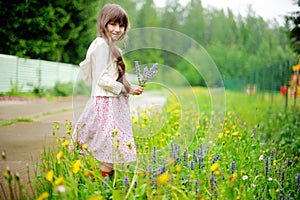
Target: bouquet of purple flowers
<point>147,74</point>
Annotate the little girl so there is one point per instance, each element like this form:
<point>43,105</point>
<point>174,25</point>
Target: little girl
<point>105,123</point>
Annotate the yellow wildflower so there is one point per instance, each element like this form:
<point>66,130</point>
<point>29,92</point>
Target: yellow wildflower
<point>134,120</point>
<point>164,178</point>
<point>66,143</point>
<point>217,173</point>
<point>178,168</point>
<point>129,145</point>
<point>59,180</point>
<point>97,197</point>
<point>49,175</point>
<point>76,166</point>
<point>43,196</point>
<point>144,116</point>
<point>235,133</point>
<point>234,176</point>
<point>59,156</point>
<point>143,125</point>
<point>149,108</point>
<point>84,146</point>
<point>214,167</point>
<point>192,175</point>
<point>221,135</point>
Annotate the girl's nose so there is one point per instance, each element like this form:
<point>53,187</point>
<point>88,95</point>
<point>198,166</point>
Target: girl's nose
<point>117,27</point>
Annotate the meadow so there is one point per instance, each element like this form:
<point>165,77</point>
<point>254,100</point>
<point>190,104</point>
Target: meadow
<point>250,151</point>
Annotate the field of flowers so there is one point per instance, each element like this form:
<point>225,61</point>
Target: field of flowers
<point>249,152</point>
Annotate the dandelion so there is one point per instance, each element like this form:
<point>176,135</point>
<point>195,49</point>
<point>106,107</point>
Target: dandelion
<point>214,167</point>
<point>49,175</point>
<point>84,146</point>
<point>164,178</point>
<point>234,176</point>
<point>76,167</point>
<point>149,108</point>
<point>128,144</point>
<point>59,156</point>
<point>134,120</point>
<point>59,180</point>
<point>178,168</point>
<point>43,196</point>
<point>65,143</point>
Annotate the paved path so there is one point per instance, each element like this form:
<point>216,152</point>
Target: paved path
<point>23,141</point>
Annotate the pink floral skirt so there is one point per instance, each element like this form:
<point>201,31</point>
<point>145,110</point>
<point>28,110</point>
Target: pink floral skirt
<point>105,127</point>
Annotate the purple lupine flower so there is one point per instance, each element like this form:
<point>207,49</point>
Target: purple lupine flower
<point>215,158</point>
<point>104,185</point>
<point>154,154</point>
<point>126,181</point>
<point>267,167</point>
<point>194,155</point>
<point>137,71</point>
<point>147,74</point>
<point>135,185</point>
<point>192,165</point>
<point>150,170</point>
<point>185,157</point>
<point>281,197</point>
<point>298,182</point>
<point>182,178</point>
<point>254,132</point>
<point>200,150</point>
<point>233,167</point>
<point>288,197</point>
<point>196,186</point>
<point>163,168</point>
<point>212,182</point>
<point>282,177</point>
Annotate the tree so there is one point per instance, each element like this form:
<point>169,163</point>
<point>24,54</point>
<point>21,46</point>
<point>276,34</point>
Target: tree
<point>51,30</point>
<point>293,24</point>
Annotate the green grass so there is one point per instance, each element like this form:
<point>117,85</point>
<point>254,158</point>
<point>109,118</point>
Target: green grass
<point>249,152</point>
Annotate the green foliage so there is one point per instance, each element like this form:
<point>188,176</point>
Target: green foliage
<point>62,89</point>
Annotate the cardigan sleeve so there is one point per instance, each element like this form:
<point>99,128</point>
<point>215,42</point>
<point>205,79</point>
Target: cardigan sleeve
<point>100,58</point>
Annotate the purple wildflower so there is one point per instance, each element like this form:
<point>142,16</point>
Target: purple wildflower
<point>147,75</point>
<point>196,186</point>
<point>267,167</point>
<point>233,167</point>
<point>154,154</point>
<point>192,165</point>
<point>185,157</point>
<point>104,185</point>
<point>254,132</point>
<point>126,181</point>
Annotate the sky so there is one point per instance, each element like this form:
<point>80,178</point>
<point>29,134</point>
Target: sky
<point>268,9</point>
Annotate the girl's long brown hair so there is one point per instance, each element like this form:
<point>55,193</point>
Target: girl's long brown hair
<point>113,13</point>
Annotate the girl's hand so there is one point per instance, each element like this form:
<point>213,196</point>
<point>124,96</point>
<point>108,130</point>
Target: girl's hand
<point>136,90</point>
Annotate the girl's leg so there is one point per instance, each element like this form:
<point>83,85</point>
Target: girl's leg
<point>106,168</point>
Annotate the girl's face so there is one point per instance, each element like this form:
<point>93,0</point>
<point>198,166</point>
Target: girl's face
<point>115,30</point>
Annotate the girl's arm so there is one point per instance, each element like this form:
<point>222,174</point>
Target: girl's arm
<point>101,58</point>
